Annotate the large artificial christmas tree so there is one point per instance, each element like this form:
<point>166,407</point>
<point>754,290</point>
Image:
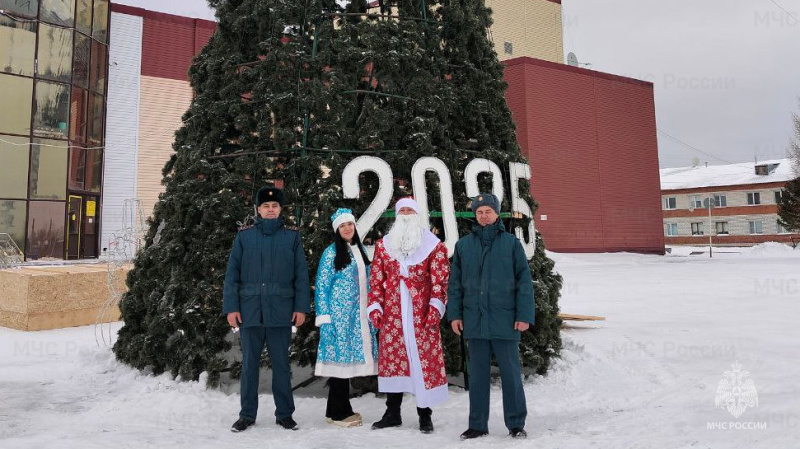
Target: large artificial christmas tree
<point>290,93</point>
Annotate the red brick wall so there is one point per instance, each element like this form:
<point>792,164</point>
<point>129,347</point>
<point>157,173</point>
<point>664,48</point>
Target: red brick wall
<point>591,141</point>
<point>169,42</point>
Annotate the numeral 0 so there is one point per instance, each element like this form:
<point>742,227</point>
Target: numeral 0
<point>382,200</point>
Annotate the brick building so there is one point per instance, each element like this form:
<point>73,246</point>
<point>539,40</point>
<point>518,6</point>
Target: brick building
<point>590,138</point>
<point>744,200</point>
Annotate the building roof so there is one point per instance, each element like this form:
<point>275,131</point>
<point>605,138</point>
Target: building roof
<point>580,70</point>
<point>779,170</point>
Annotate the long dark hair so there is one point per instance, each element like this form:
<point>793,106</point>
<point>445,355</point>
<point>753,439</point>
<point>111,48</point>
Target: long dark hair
<point>342,258</point>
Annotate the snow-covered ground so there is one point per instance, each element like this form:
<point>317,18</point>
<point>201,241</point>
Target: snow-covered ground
<point>645,378</point>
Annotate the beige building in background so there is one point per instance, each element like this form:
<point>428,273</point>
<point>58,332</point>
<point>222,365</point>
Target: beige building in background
<point>531,28</point>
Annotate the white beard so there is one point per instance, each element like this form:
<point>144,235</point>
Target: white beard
<point>405,237</point>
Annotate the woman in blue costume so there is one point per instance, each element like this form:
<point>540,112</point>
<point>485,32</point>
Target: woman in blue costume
<point>347,345</point>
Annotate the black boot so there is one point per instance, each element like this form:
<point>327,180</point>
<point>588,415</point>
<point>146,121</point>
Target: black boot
<point>470,434</point>
<point>392,417</point>
<point>425,422</point>
<point>241,424</point>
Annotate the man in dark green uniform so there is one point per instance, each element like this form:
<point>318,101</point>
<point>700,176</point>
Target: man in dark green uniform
<point>490,300</point>
<point>266,291</point>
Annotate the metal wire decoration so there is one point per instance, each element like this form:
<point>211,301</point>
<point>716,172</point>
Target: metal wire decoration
<point>10,254</point>
<point>122,247</point>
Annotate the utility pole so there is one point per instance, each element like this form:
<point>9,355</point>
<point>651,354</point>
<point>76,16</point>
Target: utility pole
<point>709,203</point>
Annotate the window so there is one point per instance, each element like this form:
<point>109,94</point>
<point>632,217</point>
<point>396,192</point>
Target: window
<point>80,65</point>
<point>508,48</point>
<point>755,227</point>
<point>52,110</point>
<point>696,201</point>
<point>96,120</point>
<point>778,196</point>
<point>721,227</point>
<point>100,21</point>
<point>78,118</point>
<point>17,46</point>
<point>17,91</point>
<point>27,8</point>
<point>77,168</point>
<point>45,230</point>
<point>671,229</point>
<point>94,169</point>
<point>670,202</point>
<point>720,201</point>
<point>14,159</point>
<point>48,176</point>
<point>59,12</point>
<point>753,198</point>
<point>83,22</point>
<point>98,68</point>
<point>780,229</point>
<point>12,220</point>
<point>55,53</point>
<point>697,228</point>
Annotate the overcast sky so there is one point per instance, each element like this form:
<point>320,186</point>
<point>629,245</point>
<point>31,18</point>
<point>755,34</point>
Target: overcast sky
<point>726,72</point>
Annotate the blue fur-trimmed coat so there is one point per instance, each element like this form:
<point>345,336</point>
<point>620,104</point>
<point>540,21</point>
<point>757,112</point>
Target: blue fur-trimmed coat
<point>347,345</point>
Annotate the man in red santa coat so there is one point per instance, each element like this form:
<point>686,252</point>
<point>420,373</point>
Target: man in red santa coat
<point>408,293</point>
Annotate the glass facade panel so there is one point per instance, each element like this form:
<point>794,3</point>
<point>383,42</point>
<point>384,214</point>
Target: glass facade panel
<point>48,176</point>
<point>78,114</point>
<point>17,46</point>
<point>52,110</point>
<point>80,64</point>
<point>83,22</point>
<point>77,168</point>
<point>55,53</point>
<point>99,67</point>
<point>12,220</point>
<point>94,170</point>
<point>53,75</point>
<point>100,22</point>
<point>29,8</point>
<point>45,230</point>
<point>14,152</point>
<point>15,114</point>
<point>60,12</point>
<point>96,115</point>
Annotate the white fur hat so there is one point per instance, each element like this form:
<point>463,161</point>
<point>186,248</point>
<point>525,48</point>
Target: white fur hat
<point>406,202</point>
<point>342,216</point>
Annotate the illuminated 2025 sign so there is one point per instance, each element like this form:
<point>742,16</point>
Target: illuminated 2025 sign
<point>382,200</point>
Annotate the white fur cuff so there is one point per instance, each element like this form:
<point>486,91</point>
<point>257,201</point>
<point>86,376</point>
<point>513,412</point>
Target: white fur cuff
<point>436,302</point>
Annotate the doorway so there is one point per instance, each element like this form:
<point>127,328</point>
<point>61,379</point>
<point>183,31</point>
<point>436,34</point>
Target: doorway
<point>82,225</point>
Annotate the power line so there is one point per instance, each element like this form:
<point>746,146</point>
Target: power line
<point>679,141</point>
<point>789,13</point>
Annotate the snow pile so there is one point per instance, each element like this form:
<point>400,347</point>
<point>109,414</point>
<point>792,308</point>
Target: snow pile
<point>771,249</point>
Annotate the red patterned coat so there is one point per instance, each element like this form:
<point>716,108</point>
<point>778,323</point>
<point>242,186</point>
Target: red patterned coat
<point>427,279</point>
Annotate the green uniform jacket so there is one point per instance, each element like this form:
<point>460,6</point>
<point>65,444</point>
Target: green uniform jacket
<point>490,284</point>
<point>267,276</point>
